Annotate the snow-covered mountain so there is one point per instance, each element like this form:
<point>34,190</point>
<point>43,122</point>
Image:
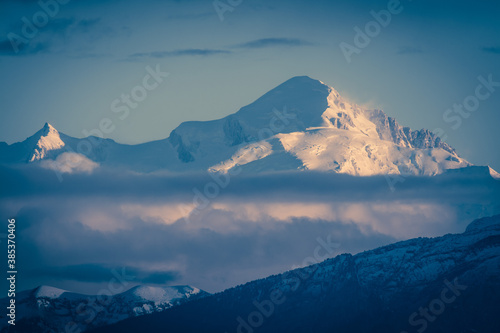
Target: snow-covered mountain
<point>302,124</point>
<point>41,145</point>
<point>320,130</point>
<point>47,140</point>
<point>445,284</point>
<point>45,309</point>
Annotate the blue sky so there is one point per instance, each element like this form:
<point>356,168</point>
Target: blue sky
<point>88,54</point>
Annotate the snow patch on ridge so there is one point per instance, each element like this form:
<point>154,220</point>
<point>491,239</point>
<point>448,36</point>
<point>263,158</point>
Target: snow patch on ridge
<point>157,295</point>
<point>250,153</point>
<point>49,292</point>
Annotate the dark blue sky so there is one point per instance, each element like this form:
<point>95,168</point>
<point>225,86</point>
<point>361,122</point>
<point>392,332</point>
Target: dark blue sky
<point>71,69</point>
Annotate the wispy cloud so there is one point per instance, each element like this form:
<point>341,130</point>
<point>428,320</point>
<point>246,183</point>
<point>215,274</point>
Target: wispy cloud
<point>259,43</point>
<point>55,35</point>
<point>273,42</point>
<point>491,49</point>
<point>409,50</point>
<point>179,53</point>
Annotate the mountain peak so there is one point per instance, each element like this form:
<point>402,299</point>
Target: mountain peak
<point>47,139</point>
<point>47,128</point>
<point>55,307</point>
<point>302,78</point>
<point>303,82</point>
<point>483,224</point>
<point>302,124</point>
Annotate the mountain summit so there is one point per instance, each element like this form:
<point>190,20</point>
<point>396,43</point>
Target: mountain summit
<point>302,124</point>
<point>46,143</point>
<point>324,131</point>
<point>47,139</point>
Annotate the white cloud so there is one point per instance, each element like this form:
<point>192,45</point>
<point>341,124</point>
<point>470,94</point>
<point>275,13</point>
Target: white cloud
<point>167,213</point>
<point>70,163</point>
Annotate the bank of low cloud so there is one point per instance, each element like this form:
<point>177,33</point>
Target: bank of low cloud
<point>157,227</point>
